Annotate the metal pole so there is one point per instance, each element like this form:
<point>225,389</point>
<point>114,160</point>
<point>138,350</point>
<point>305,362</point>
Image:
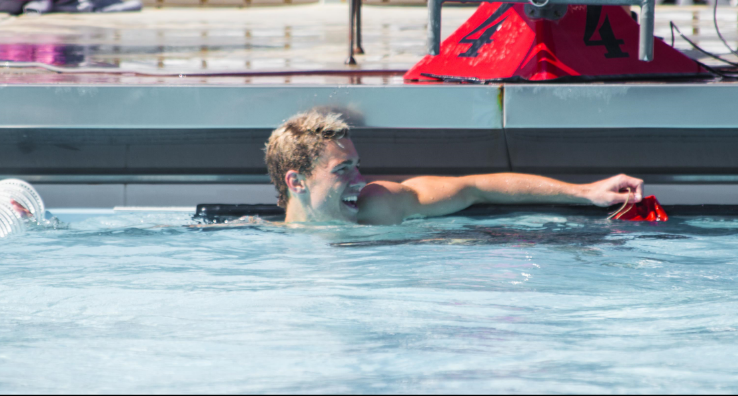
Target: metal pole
<point>645,45</point>
<point>358,49</point>
<point>434,26</point>
<point>352,13</point>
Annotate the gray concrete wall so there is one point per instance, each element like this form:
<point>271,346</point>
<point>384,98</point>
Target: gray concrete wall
<point>104,146</point>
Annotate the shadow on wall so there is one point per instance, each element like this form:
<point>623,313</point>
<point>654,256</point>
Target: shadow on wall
<point>352,117</point>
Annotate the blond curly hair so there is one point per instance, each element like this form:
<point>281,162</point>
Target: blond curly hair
<point>297,144</point>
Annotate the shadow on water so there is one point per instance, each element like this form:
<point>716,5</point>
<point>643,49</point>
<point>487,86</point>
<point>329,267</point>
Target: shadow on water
<point>584,232</point>
<point>470,235</point>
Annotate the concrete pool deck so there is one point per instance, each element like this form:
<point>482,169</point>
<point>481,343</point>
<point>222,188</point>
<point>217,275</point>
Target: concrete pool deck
<point>307,37</point>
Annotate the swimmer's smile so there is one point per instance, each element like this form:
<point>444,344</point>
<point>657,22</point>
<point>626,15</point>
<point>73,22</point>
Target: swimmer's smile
<point>350,201</point>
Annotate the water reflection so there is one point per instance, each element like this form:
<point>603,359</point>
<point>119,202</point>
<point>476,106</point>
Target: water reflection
<point>50,54</point>
<point>77,55</point>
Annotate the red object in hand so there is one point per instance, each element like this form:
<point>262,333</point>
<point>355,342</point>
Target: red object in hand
<point>649,209</point>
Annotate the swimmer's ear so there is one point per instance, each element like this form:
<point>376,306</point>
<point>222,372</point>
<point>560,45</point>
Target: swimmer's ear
<point>295,182</point>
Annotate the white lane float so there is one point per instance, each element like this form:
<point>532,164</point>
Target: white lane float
<point>20,204</point>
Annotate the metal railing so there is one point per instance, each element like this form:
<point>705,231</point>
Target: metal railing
<point>645,47</point>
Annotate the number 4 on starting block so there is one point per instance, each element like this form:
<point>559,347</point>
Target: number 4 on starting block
<point>517,41</point>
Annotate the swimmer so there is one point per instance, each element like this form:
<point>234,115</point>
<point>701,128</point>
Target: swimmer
<point>315,168</point>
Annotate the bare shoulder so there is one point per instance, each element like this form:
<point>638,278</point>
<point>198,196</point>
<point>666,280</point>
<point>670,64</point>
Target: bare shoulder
<point>384,202</point>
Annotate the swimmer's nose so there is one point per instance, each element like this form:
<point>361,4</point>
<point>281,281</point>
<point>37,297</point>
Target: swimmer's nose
<point>358,182</point>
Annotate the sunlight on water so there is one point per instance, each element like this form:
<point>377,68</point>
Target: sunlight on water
<point>508,303</point>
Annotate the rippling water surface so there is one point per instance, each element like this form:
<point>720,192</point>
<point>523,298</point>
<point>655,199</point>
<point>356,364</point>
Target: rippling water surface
<point>507,303</point>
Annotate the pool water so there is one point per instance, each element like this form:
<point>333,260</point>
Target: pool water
<point>518,302</point>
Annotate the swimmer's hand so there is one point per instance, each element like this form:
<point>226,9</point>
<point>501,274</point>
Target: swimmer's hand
<point>615,190</point>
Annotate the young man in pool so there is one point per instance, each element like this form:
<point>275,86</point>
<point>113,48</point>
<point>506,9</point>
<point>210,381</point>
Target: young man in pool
<point>315,168</point>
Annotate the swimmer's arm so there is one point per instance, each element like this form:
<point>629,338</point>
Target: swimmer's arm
<point>390,203</point>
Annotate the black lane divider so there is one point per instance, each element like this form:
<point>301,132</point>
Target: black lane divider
<point>215,211</point>
<point>220,212</point>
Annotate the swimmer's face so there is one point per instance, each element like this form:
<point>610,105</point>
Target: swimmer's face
<point>333,186</point>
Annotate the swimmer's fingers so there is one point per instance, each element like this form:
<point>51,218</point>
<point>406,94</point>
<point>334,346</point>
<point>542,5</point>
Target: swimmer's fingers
<point>621,197</point>
<point>615,190</point>
<point>639,190</point>
<point>631,187</point>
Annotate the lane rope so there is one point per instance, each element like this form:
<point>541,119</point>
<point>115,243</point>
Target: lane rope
<point>20,205</point>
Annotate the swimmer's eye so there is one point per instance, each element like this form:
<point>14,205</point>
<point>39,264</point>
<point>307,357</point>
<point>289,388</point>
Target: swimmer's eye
<point>343,168</point>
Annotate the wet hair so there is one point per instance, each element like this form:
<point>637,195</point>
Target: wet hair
<point>297,144</point>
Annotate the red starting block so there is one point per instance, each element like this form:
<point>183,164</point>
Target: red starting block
<point>505,41</point>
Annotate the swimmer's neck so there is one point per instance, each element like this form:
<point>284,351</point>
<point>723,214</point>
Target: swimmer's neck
<point>295,212</point>
<point>299,212</point>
